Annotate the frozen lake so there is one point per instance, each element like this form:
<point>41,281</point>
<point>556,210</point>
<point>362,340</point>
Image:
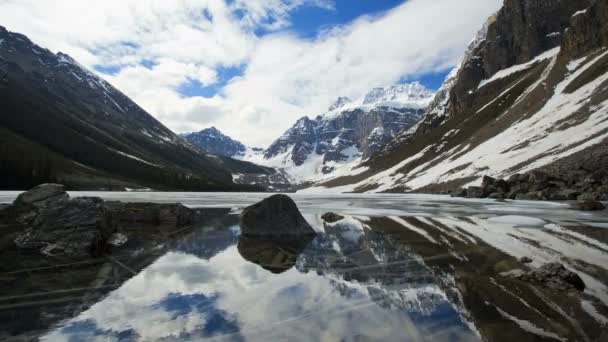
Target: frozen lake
<point>397,268</point>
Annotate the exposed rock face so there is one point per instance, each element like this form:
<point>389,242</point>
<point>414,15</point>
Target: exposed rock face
<point>214,142</point>
<point>301,138</point>
<point>351,130</point>
<point>274,217</point>
<point>554,276</point>
<point>331,217</point>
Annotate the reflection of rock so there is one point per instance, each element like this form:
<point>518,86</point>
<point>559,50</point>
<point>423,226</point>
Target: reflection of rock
<point>331,217</point>
<point>173,215</point>
<point>277,256</point>
<point>554,276</point>
<point>276,216</point>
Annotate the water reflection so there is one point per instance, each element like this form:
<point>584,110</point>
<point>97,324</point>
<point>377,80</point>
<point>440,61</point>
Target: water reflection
<point>274,255</point>
<point>343,287</point>
<point>395,278</point>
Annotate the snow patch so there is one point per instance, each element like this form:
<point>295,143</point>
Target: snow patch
<point>520,67</point>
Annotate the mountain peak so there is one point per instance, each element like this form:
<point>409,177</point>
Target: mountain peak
<point>214,141</point>
<point>340,102</point>
<point>412,94</point>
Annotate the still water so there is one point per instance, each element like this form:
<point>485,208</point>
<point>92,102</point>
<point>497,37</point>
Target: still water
<point>397,268</point>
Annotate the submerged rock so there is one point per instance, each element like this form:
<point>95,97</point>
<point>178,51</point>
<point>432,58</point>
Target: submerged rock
<point>554,276</point>
<point>275,216</point>
<point>332,217</point>
<point>589,205</point>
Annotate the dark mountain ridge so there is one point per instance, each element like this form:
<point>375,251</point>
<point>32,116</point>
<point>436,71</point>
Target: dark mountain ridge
<point>62,123</point>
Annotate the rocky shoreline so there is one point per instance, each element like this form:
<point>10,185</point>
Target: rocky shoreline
<point>587,189</point>
<point>51,223</point>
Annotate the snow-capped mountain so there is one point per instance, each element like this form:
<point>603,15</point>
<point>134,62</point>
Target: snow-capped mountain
<point>529,94</point>
<point>215,142</point>
<point>60,122</point>
<point>348,133</point>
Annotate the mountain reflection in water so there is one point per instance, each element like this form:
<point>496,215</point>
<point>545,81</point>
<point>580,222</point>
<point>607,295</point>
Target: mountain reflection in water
<point>436,277</point>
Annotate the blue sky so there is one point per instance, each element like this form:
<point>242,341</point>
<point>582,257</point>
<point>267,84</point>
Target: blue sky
<point>253,67</point>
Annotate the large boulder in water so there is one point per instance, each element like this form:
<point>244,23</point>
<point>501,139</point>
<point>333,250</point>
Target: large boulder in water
<point>38,198</point>
<point>76,227</point>
<point>274,217</point>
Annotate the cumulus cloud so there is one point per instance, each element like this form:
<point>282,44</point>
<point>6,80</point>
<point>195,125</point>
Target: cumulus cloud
<point>158,46</point>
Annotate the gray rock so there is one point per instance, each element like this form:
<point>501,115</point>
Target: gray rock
<point>77,227</point>
<point>39,197</point>
<point>554,276</point>
<point>589,205</point>
<point>331,217</point>
<point>474,192</point>
<point>275,216</point>
<point>497,195</point>
<point>589,196</point>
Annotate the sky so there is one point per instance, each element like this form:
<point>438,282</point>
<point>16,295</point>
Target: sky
<point>251,68</point>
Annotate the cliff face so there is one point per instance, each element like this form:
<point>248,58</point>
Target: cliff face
<point>530,92</point>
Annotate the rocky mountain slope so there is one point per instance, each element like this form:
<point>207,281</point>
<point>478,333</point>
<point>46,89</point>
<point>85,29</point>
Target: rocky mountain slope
<point>351,131</point>
<point>530,93</point>
<point>215,142</point>
<point>62,123</point>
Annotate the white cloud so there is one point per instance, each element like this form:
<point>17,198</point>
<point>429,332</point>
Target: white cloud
<point>285,76</point>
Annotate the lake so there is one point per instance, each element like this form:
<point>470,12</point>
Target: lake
<point>396,268</point>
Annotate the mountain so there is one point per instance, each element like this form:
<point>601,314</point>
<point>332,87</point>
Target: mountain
<point>62,123</point>
<point>530,94</point>
<point>214,142</point>
<point>351,131</point>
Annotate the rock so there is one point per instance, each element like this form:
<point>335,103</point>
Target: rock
<point>589,196</point>
<point>76,227</point>
<point>589,205</point>
<point>38,197</point>
<point>4,212</point>
<point>497,195</point>
<point>117,239</point>
<point>460,193</point>
<point>331,217</point>
<point>274,255</point>
<point>275,216</point>
<point>474,192</point>
<point>525,260</point>
<point>487,181</point>
<point>554,276</point>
